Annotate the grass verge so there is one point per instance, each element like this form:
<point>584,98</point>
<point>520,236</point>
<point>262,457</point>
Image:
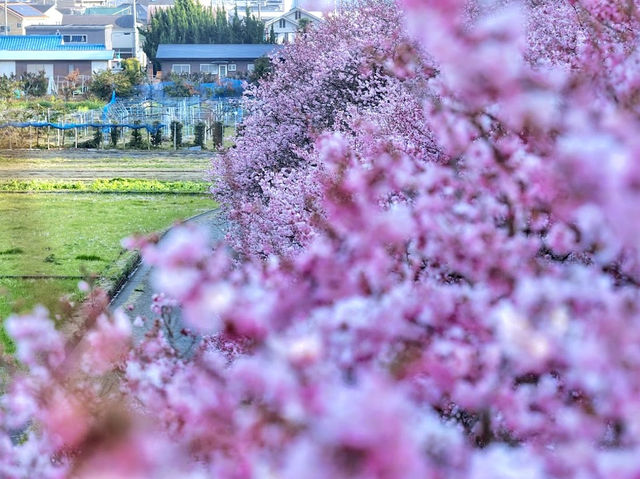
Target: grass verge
<point>48,234</point>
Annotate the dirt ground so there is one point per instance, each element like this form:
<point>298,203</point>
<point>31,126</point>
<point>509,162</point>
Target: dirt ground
<point>90,164</point>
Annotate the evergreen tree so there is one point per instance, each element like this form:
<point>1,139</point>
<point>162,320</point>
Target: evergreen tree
<point>115,134</point>
<point>136,137</point>
<point>199,136</point>
<point>238,30</point>
<point>176,133</point>
<point>272,35</point>
<point>190,22</point>
<point>97,137</point>
<point>156,137</point>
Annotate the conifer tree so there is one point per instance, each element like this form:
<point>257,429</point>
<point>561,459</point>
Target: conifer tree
<point>136,137</point>
<point>115,134</point>
<point>156,137</point>
<point>190,22</point>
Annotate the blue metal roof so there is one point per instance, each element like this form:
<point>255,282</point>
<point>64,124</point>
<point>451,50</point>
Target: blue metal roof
<point>42,43</point>
<point>25,10</point>
<point>216,51</point>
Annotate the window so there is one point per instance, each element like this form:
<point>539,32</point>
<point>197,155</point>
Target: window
<point>282,23</point>
<point>232,67</point>
<point>298,15</point>
<point>180,68</point>
<point>72,68</point>
<point>74,38</point>
<point>251,67</point>
<point>19,25</point>
<point>2,30</point>
<point>36,68</point>
<point>208,68</point>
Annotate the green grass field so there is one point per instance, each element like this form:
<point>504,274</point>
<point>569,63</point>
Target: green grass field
<point>65,213</point>
<point>74,235</point>
<point>104,185</point>
<point>78,159</point>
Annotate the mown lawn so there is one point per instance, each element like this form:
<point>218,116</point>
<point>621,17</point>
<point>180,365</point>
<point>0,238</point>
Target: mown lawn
<point>78,160</point>
<point>74,234</point>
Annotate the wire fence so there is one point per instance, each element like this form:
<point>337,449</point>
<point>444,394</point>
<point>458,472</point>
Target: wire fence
<point>149,111</point>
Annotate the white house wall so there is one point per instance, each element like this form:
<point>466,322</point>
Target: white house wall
<point>7,68</point>
<point>122,39</point>
<point>98,66</point>
<point>35,68</point>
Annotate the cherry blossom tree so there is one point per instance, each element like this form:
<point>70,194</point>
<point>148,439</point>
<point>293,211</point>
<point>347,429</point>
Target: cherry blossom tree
<point>435,215</point>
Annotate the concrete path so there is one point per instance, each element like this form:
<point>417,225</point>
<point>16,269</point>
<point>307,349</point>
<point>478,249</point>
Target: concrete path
<point>137,292</point>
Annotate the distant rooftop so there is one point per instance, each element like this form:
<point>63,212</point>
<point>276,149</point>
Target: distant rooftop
<point>122,21</point>
<point>42,8</point>
<point>31,47</point>
<point>107,10</point>
<point>63,28</point>
<point>25,10</point>
<point>214,51</point>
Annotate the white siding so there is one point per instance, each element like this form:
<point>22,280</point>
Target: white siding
<point>47,68</point>
<point>98,66</point>
<point>7,68</point>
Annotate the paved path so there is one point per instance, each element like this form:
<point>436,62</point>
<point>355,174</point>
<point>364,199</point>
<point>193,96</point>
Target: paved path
<point>137,291</point>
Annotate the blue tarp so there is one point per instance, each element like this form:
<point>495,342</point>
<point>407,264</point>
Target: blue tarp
<point>227,87</point>
<point>105,110</point>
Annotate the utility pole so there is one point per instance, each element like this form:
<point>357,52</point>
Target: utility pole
<point>135,30</point>
<point>6,18</point>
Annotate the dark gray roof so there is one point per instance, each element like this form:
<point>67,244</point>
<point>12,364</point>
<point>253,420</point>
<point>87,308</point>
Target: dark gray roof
<point>157,2</point>
<point>121,21</point>
<point>36,29</point>
<point>214,51</point>
<point>25,10</point>
<point>89,19</point>
<point>125,21</point>
<point>42,8</point>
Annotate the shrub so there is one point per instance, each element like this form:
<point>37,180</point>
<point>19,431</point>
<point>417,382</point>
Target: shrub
<point>262,68</point>
<point>179,88</point>
<point>176,133</point>
<point>105,82</point>
<point>34,84</point>
<point>98,138</point>
<point>136,137</point>
<point>132,69</point>
<point>114,135</point>
<point>156,137</point>
<point>199,134</point>
<point>218,131</point>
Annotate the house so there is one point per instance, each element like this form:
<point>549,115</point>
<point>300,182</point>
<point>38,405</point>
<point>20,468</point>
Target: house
<point>15,17</point>
<point>122,33</point>
<point>155,5</point>
<point>122,9</point>
<point>51,12</point>
<point>78,6</point>
<point>287,25</point>
<point>76,34</point>
<point>217,59</point>
<point>50,54</point>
